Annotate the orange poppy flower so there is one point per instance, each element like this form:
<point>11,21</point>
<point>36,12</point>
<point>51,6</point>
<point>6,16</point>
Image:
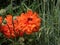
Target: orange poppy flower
<point>29,22</point>
<point>10,26</point>
<point>10,29</point>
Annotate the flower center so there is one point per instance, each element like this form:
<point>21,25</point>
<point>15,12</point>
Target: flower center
<point>29,19</point>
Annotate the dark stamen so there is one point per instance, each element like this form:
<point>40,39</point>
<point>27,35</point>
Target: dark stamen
<point>29,19</point>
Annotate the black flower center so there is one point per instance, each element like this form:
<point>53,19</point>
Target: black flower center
<point>29,19</point>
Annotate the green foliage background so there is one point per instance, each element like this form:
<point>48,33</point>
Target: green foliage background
<point>48,10</point>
